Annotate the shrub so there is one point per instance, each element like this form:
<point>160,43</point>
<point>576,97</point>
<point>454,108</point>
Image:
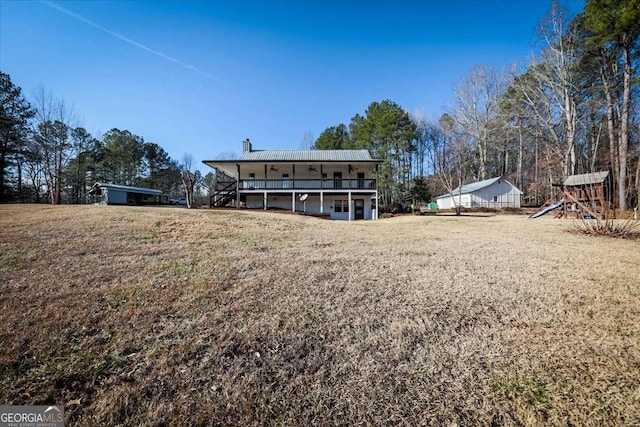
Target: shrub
<point>386,215</point>
<point>626,229</point>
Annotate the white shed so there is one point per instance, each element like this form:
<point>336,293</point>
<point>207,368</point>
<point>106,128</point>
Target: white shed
<point>490,193</point>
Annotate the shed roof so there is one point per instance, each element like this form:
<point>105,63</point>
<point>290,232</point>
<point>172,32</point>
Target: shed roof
<point>140,190</point>
<point>475,186</point>
<point>586,178</point>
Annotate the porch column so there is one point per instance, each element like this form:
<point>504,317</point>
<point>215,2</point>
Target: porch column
<point>237,185</point>
<point>377,208</point>
<point>264,200</point>
<point>350,206</point>
<point>293,201</point>
<point>322,202</point>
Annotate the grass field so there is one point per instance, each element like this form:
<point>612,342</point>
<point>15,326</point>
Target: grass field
<point>165,316</point>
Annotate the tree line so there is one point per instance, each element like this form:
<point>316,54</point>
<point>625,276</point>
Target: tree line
<point>46,156</point>
<point>573,109</point>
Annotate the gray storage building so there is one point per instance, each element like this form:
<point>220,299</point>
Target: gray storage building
<point>114,194</point>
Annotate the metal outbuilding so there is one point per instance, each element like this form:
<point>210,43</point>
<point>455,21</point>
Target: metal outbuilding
<point>114,194</point>
<point>491,193</point>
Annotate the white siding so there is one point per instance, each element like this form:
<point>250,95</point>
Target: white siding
<point>444,202</point>
<point>498,195</point>
<point>283,201</point>
<point>449,202</point>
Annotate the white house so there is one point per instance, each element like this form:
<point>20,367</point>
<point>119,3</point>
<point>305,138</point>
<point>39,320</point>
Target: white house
<point>339,183</point>
<point>490,193</point>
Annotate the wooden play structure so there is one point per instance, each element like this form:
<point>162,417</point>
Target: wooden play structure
<point>587,195</point>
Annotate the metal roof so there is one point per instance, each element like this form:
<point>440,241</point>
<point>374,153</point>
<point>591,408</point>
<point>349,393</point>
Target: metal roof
<point>475,186</point>
<point>587,178</point>
<point>140,190</point>
<point>293,156</point>
<point>307,156</point>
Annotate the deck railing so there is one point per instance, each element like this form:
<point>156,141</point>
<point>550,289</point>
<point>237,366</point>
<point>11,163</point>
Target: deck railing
<point>308,184</point>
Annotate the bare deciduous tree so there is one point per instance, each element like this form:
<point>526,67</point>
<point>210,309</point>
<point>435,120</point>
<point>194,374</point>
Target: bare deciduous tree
<point>188,175</point>
<point>477,104</point>
<point>54,121</point>
<point>449,155</point>
<point>557,73</point>
<point>307,141</point>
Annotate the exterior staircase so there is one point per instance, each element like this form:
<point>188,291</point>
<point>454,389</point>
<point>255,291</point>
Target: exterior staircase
<point>225,193</point>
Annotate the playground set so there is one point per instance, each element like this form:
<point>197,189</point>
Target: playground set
<point>587,195</point>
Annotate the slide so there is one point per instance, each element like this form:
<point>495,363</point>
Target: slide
<point>547,209</point>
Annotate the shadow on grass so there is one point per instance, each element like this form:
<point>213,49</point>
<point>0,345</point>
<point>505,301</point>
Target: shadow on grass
<point>462,215</point>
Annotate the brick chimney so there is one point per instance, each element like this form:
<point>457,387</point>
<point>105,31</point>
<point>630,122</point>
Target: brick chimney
<point>246,146</point>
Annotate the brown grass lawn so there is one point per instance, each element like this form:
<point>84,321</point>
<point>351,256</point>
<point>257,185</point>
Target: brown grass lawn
<point>152,316</point>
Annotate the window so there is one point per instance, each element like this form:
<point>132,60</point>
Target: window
<point>340,206</point>
<point>495,199</point>
<point>252,181</point>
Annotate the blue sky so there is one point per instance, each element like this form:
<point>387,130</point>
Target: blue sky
<point>198,77</point>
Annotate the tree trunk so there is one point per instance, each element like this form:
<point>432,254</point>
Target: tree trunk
<point>613,152</point>
<point>595,146</point>
<point>638,182</point>
<point>570,122</point>
<point>482,157</point>
<point>2,165</point>
<point>20,195</point>
<point>536,169</point>
<point>49,178</point>
<point>459,204</point>
<point>58,183</point>
<point>624,130</point>
<point>505,164</point>
<point>520,144</point>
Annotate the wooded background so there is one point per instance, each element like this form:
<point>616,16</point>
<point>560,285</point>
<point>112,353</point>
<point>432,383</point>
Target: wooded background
<point>572,109</point>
